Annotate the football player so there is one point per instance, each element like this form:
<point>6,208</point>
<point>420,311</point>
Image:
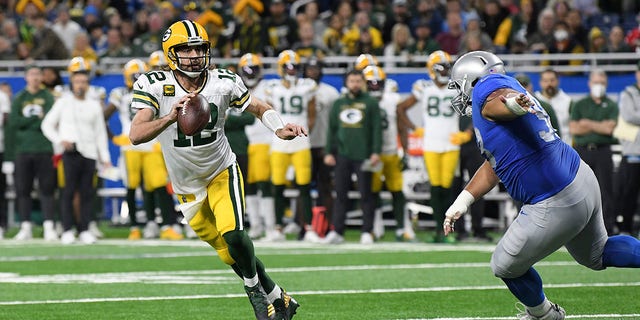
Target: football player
<point>157,60</point>
<point>364,60</point>
<point>258,192</point>
<point>143,163</point>
<point>294,98</point>
<point>391,162</point>
<point>79,65</point>
<point>202,168</point>
<point>562,201</point>
<point>439,124</point>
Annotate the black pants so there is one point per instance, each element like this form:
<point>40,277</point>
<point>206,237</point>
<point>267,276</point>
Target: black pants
<point>598,157</point>
<point>627,192</point>
<point>343,171</point>
<point>29,166</point>
<point>321,175</point>
<point>470,161</point>
<point>3,199</point>
<point>78,175</point>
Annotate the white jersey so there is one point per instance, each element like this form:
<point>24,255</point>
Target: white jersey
<point>5,108</point>
<point>388,105</point>
<point>561,103</point>
<point>390,85</point>
<point>258,133</point>
<point>193,161</point>
<point>292,105</point>
<point>94,92</point>
<point>439,119</point>
<point>121,98</point>
<point>326,95</point>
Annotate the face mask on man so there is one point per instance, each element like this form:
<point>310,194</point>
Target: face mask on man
<point>598,90</point>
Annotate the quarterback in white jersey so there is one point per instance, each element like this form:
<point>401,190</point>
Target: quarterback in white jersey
<point>440,125</point>
<point>202,167</point>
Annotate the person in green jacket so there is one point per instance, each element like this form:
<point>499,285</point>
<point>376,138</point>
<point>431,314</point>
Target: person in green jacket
<point>33,153</point>
<point>354,140</point>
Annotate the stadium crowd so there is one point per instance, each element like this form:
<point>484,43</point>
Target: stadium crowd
<point>300,34</point>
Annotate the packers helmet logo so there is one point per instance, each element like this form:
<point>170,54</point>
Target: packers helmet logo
<point>167,35</point>
<point>168,90</point>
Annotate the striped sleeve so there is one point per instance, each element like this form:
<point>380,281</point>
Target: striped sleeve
<point>146,99</point>
<point>240,97</point>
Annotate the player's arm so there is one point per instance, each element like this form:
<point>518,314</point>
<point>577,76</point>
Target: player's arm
<point>311,113</point>
<point>482,182</point>
<point>506,104</point>
<point>585,126</point>
<point>271,119</point>
<point>402,120</point>
<point>145,126</point>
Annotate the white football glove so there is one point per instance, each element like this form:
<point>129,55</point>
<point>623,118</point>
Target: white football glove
<point>456,210</point>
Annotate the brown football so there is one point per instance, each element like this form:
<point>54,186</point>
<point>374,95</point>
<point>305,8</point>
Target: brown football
<point>194,115</point>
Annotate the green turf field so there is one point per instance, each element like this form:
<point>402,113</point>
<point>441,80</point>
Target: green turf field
<point>120,279</point>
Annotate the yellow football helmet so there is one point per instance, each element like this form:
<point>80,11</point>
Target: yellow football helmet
<point>365,60</point>
<point>78,64</point>
<point>288,65</point>
<point>439,66</point>
<point>250,69</point>
<point>157,60</point>
<point>187,33</point>
<point>133,70</point>
<point>375,78</point>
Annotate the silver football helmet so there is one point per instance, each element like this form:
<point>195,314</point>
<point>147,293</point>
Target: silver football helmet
<point>466,71</point>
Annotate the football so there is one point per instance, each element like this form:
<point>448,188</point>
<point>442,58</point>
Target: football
<point>194,115</point>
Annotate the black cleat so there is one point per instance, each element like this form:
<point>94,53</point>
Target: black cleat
<point>261,307</point>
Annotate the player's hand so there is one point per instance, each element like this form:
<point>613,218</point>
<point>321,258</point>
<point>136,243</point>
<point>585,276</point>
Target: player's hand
<point>419,131</point>
<point>460,137</point>
<point>521,99</point>
<point>451,216</point>
<point>404,163</point>
<point>173,115</point>
<point>329,160</point>
<point>290,131</point>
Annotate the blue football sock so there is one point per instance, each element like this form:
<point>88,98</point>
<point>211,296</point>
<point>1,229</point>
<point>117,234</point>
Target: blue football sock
<point>621,251</point>
<point>527,288</point>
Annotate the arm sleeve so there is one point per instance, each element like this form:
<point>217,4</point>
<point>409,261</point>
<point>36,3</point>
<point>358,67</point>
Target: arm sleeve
<point>629,109</point>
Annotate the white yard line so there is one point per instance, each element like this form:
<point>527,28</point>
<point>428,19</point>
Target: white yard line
<point>582,316</point>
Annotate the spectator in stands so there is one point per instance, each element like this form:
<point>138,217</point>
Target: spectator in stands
<point>590,7</point>
<point>525,81</point>
<point>145,44</point>
<point>115,47</point>
<point>112,18</point>
<point>551,93</point>
<point>597,41</point>
<point>82,48</point>
<point>168,12</point>
<point>46,43</point>
<point>593,119</point>
<point>427,11</point>
<point>616,44</point>
<point>492,16</point>
<point>474,38</point>
<point>249,34</point>
<point>401,42</point>
<point>308,45</point>
<point>450,40</point>
<point>424,43</point>
<point>7,50</point>
<point>577,28</point>
<point>344,10</point>
<point>26,11</point>
<point>65,28</point>
<point>326,95</point>
<point>127,32</point>
<point>281,29</point>
<point>92,15</point>
<point>332,36</point>
<point>362,37</point>
<point>560,9</point>
<point>214,24</point>
<point>399,14</point>
<point>98,38</point>
<point>563,43</point>
<point>354,141</point>
<point>376,17</point>
<point>33,153</point>
<point>542,39</point>
<point>76,123</point>
<point>10,32</point>
<point>311,12</point>
<point>515,27</point>
<point>626,195</point>
<point>5,110</point>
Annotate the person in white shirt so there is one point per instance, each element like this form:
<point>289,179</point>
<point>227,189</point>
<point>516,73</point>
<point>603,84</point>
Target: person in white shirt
<point>5,108</point>
<point>66,28</point>
<point>559,100</point>
<point>76,123</point>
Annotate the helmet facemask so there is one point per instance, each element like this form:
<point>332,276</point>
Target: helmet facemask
<point>442,72</point>
<point>196,64</point>
<point>251,75</point>
<point>461,103</point>
<point>375,88</point>
<point>290,72</point>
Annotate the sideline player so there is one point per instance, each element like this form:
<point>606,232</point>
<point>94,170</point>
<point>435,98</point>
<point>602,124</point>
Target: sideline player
<point>562,203</point>
<point>202,167</point>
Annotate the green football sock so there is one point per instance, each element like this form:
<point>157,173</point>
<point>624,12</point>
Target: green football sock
<point>241,250</point>
<point>398,201</point>
<point>305,202</point>
<point>280,202</point>
<point>149,205</point>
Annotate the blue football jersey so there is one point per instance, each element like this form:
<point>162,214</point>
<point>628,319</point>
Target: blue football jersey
<point>527,155</point>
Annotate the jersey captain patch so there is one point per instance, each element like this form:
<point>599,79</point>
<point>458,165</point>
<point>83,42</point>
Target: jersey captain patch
<point>168,90</point>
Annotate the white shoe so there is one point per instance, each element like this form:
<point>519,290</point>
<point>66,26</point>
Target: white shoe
<point>50,233</point>
<point>292,228</point>
<point>366,238</point>
<point>25,232</point>
<point>333,238</point>
<point>68,237</point>
<point>556,312</point>
<point>151,230</point>
<point>93,228</point>
<point>311,236</point>
<point>275,236</point>
<point>1,233</point>
<point>87,237</point>
<point>255,232</point>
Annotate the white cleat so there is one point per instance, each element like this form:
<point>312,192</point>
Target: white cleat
<point>93,228</point>
<point>311,236</point>
<point>25,232</point>
<point>332,238</point>
<point>366,238</point>
<point>87,237</point>
<point>292,228</point>
<point>556,312</point>
<point>275,236</point>
<point>50,233</point>
<point>151,230</point>
<point>68,237</point>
